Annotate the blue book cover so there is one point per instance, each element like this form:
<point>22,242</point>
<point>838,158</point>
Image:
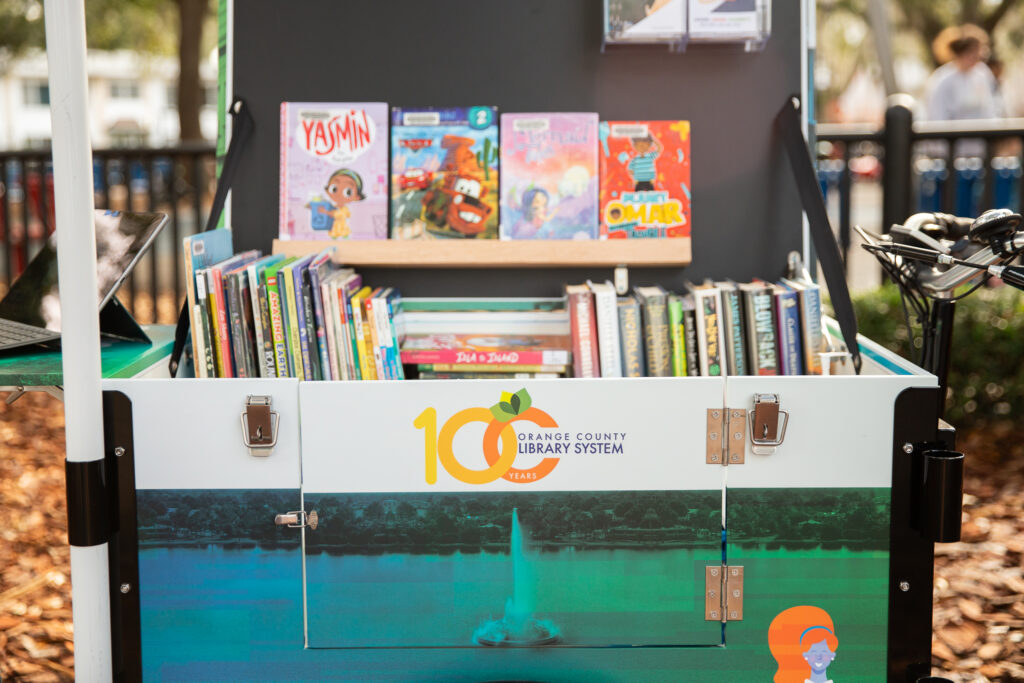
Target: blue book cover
<point>787,316</point>
<point>394,301</point>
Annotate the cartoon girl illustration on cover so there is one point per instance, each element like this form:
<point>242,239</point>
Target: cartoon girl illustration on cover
<point>803,641</point>
<point>343,187</point>
<point>536,213</point>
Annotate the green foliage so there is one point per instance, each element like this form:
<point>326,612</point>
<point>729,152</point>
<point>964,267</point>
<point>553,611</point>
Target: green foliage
<point>21,27</point>
<point>986,375</point>
<point>504,410</point>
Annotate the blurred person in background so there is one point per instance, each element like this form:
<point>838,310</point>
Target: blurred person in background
<point>964,86</point>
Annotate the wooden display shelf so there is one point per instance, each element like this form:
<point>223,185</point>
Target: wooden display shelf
<point>500,253</point>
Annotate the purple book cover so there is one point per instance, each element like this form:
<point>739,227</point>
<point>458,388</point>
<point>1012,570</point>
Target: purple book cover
<point>549,176</point>
<point>334,171</point>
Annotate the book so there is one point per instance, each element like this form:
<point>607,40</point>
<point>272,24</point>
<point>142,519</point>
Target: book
<point>631,337</point>
<point>583,328</point>
<point>372,310</point>
<point>368,369</point>
<point>240,318</point>
<point>219,327</point>
<point>645,179</point>
<point>333,321</point>
<point>278,327</point>
<point>732,322</point>
<point>690,336</point>
<point>394,309</point>
<point>343,294</point>
<point>479,350</point>
<point>444,173</point>
<point>290,276</point>
<point>320,268</point>
<point>760,328</point>
<point>310,351</point>
<point>204,329</point>
<point>201,251</point>
<point>430,374</point>
<point>261,315</point>
<point>811,337</point>
<point>334,170</point>
<point>675,330</point>
<point>710,332</point>
<point>549,176</point>
<point>510,304</point>
<point>607,328</point>
<point>561,369</point>
<point>644,21</point>
<point>657,345</point>
<point>787,326</point>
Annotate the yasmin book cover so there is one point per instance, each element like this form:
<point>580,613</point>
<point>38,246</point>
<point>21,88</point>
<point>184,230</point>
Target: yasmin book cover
<point>444,173</point>
<point>549,176</point>
<point>645,179</point>
<point>334,171</point>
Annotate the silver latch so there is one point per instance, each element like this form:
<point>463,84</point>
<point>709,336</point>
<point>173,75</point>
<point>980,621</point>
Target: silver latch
<point>298,519</point>
<point>259,426</point>
<point>767,424</point>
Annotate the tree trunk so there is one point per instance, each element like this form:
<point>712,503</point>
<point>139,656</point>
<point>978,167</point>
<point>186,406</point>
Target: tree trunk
<point>190,91</point>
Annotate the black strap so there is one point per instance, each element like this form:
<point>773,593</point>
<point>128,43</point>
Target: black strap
<point>241,130</point>
<point>788,122</point>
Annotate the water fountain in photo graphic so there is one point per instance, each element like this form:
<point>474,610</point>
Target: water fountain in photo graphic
<point>519,626</point>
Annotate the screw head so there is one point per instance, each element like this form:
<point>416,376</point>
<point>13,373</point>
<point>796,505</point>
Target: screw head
<point>715,414</point>
<point>908,448</point>
<point>119,451</point>
<point>737,435</point>
<point>125,587</point>
<point>904,586</point>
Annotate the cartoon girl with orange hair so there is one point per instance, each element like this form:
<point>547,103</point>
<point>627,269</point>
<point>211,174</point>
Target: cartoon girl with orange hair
<point>803,641</point>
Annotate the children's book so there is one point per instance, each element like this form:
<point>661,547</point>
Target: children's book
<point>507,350</point>
<point>645,179</point>
<point>334,170</point>
<point>444,173</point>
<point>579,299</point>
<point>201,251</point>
<point>549,176</point>
<point>276,307</point>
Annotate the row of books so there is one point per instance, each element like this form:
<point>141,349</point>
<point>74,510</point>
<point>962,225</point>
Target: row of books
<point>307,317</point>
<point>272,316</point>
<point>712,329</point>
<point>348,170</point>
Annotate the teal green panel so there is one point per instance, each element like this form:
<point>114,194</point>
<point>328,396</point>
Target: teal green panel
<point>826,548</point>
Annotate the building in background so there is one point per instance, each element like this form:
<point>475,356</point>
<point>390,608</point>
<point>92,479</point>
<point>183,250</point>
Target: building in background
<point>132,100</point>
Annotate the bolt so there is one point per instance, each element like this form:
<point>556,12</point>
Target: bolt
<point>904,586</point>
<point>119,451</point>
<point>714,458</point>
<point>908,448</point>
<point>735,457</point>
<point>737,435</point>
<point>715,414</point>
<point>125,587</point>
<point>736,594</point>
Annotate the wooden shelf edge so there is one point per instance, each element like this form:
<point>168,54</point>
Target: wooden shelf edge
<point>669,252</point>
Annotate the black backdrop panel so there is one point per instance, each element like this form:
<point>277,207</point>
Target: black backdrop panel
<point>531,55</point>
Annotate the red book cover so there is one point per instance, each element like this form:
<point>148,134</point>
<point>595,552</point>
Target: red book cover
<point>645,179</point>
<point>480,349</point>
<point>583,322</point>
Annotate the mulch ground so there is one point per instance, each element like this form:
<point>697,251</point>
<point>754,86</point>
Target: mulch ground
<point>979,585</point>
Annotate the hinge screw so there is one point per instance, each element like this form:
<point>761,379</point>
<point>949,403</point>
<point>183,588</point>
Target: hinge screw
<point>119,451</point>
<point>713,436</point>
<point>125,587</point>
<point>715,414</point>
<point>904,586</point>
<point>737,435</point>
<point>908,447</point>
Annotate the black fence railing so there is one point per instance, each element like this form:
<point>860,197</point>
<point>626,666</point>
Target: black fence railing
<point>958,167</point>
<point>178,181</point>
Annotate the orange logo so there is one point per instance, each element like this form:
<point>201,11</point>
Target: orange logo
<point>500,444</point>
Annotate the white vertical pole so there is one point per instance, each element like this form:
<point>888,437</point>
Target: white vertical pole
<point>80,327</point>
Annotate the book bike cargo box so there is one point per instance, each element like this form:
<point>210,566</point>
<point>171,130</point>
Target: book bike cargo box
<point>525,527</point>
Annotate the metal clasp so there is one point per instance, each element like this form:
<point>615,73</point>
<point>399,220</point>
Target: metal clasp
<point>767,424</point>
<point>298,519</point>
<point>259,426</point>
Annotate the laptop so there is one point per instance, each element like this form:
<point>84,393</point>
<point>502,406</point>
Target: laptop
<point>30,312</point>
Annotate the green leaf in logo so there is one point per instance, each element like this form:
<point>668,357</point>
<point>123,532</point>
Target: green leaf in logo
<point>507,407</point>
<point>524,400</point>
<point>501,414</point>
<point>514,402</point>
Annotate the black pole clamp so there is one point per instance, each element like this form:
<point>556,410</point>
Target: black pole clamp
<point>88,492</point>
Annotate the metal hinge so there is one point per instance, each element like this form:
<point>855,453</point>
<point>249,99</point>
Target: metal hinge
<point>259,426</point>
<point>726,441</point>
<point>723,593</point>
<point>767,424</point>
<point>298,519</point>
